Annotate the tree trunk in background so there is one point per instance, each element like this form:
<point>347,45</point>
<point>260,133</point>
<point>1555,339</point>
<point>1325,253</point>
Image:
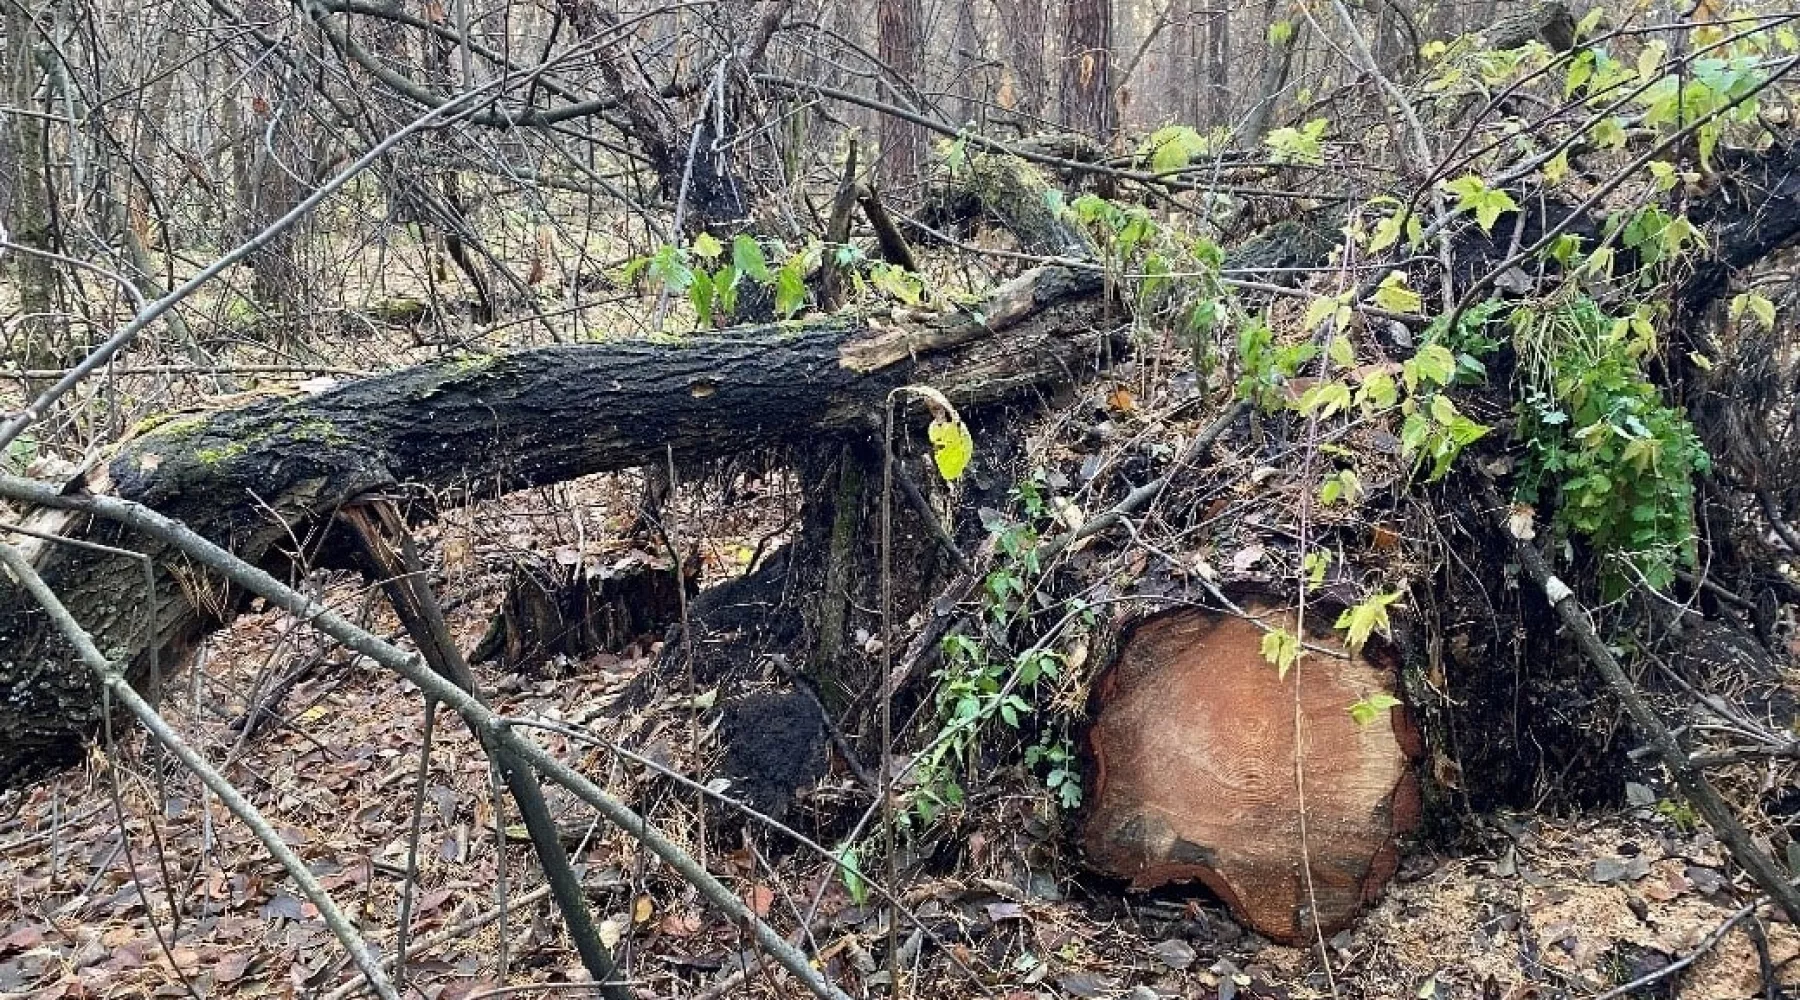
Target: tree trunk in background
<point>1218,68</point>
<point>1181,77</point>
<point>1024,27</point>
<point>1278,61</point>
<point>269,159</point>
<point>24,200</point>
<point>901,45</point>
<point>1086,79</point>
<point>969,63</point>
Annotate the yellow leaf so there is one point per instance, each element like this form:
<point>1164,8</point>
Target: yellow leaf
<point>952,446</point>
<point>642,908</point>
<point>1282,648</point>
<point>1556,169</point>
<point>1387,233</point>
<point>1341,352</point>
<point>1442,410</point>
<point>1757,305</point>
<point>1365,619</point>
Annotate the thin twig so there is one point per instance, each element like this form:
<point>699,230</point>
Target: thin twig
<point>1783,530</point>
<point>1691,781</point>
<point>1706,945</point>
<point>886,773</point>
<point>412,844</point>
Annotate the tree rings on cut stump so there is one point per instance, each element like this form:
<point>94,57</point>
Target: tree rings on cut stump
<point>1194,748</point>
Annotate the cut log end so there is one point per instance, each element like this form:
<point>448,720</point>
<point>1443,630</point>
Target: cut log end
<point>1194,748</point>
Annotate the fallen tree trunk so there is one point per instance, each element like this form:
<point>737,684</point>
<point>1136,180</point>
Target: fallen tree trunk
<point>263,479</point>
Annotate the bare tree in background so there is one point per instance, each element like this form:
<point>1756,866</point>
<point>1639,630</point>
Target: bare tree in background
<point>1218,66</point>
<point>272,163</point>
<point>899,27</point>
<point>1282,39</point>
<point>1181,61</point>
<point>23,196</point>
<point>1086,78</point>
<point>1024,31</point>
<point>969,62</point>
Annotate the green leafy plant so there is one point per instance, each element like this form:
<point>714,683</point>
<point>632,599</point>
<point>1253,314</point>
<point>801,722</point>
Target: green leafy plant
<point>713,284</point>
<point>1365,619</point>
<point>1172,147</point>
<point>1299,145</point>
<point>19,454</point>
<point>1173,276</point>
<point>986,681</point>
<point>1267,366</point>
<point>1618,461</point>
<point>1366,710</point>
<point>849,861</point>
<point>1486,204</point>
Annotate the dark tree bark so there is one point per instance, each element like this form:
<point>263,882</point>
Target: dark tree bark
<point>692,159</point>
<point>1085,88</point>
<point>1025,35</point>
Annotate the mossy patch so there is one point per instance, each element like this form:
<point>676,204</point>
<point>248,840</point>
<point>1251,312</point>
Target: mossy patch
<point>225,453</point>
<point>457,372</point>
<point>168,426</point>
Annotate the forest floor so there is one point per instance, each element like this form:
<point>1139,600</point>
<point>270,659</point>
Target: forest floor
<point>186,903</point>
<point>1530,905</point>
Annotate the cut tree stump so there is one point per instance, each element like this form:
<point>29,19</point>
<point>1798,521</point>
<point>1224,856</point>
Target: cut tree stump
<point>1194,750</point>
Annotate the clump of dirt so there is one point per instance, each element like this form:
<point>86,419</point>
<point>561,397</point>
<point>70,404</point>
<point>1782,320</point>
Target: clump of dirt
<point>774,747</point>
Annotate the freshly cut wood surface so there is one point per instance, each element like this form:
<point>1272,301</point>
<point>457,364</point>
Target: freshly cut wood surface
<point>1195,750</point>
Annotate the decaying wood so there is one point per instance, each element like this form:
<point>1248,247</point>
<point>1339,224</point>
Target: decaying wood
<point>1195,753</point>
<point>263,477</point>
<point>1548,21</point>
<point>573,611</point>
